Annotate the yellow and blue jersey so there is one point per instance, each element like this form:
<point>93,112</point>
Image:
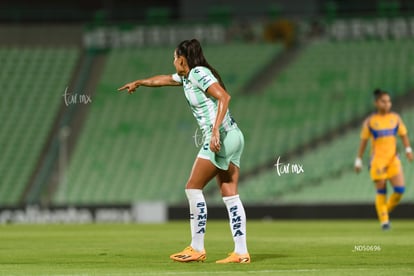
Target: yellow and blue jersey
<point>382,130</point>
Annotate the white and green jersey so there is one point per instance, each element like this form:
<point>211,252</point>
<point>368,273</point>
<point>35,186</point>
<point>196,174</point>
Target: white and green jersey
<point>203,106</point>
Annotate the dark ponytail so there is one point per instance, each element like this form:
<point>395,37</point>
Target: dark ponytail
<point>192,51</point>
<point>378,93</point>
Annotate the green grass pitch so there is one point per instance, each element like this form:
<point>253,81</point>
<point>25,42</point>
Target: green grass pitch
<point>346,247</point>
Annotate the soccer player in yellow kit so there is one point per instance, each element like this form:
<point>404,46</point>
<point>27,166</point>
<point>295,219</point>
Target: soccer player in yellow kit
<point>382,128</point>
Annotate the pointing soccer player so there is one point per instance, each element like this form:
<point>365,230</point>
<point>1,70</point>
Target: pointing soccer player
<point>219,155</point>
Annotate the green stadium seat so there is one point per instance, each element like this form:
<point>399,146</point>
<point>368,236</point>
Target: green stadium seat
<point>328,176</point>
<point>34,79</point>
<point>328,85</point>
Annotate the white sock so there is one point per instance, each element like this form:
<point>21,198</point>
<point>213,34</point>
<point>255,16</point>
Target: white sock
<point>198,217</point>
<point>237,218</point>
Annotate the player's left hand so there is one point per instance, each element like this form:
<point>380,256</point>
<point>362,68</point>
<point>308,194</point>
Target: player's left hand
<point>215,141</point>
<point>358,165</point>
<point>409,156</point>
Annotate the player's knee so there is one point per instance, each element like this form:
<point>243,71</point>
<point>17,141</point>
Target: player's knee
<point>227,190</point>
<point>191,184</point>
<point>380,185</point>
<point>399,189</point>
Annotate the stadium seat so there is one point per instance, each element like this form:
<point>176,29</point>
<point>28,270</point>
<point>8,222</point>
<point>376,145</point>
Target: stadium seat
<point>328,176</point>
<point>328,85</point>
<point>34,81</point>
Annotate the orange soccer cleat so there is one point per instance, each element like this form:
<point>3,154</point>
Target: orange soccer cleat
<point>235,258</point>
<point>189,255</point>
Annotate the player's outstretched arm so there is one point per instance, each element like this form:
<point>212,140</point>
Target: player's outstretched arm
<point>408,149</point>
<point>155,81</point>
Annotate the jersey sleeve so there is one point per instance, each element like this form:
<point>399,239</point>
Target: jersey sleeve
<point>402,129</point>
<point>365,133</point>
<point>202,77</point>
<point>177,78</point>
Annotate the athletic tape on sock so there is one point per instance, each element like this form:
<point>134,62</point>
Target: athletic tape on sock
<point>399,189</point>
<point>382,191</point>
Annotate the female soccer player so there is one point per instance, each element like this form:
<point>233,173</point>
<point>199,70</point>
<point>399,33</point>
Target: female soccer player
<point>221,151</point>
<point>382,128</point>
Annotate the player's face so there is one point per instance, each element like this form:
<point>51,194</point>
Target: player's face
<point>178,64</point>
<point>384,104</point>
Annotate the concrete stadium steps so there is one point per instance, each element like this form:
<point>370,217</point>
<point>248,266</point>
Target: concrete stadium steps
<point>33,82</point>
